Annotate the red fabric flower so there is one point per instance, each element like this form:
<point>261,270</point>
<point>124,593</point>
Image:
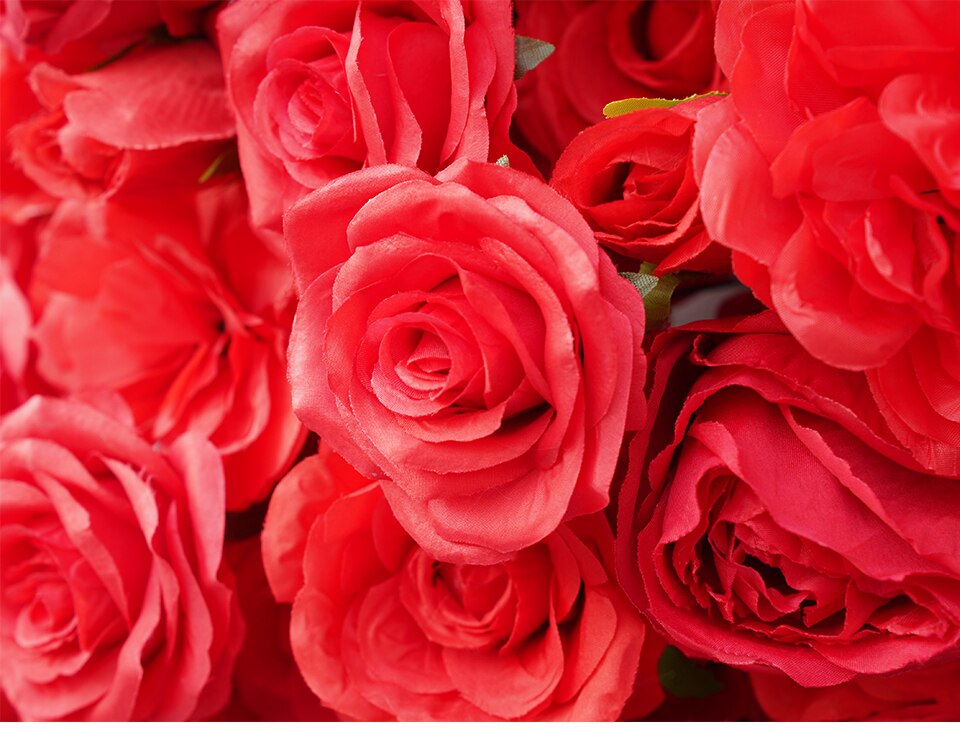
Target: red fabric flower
<point>23,208</point>
<point>14,339</point>
<point>607,51</point>
<point>465,336</point>
<point>267,683</point>
<point>181,308</point>
<point>833,172</point>
<point>91,31</point>
<point>928,695</point>
<point>381,630</point>
<point>632,179</point>
<point>156,118</point>
<point>771,518</point>
<point>322,89</point>
<point>114,603</point>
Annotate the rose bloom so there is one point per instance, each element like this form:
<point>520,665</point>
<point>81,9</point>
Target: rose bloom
<point>91,31</point>
<point>607,51</point>
<point>267,683</point>
<point>831,171</point>
<point>114,603</point>
<point>14,339</point>
<point>382,630</point>
<point>325,88</point>
<point>770,518</point>
<point>175,303</point>
<point>154,119</point>
<point>465,336</point>
<point>631,177</point>
<point>928,695</point>
<point>23,208</point>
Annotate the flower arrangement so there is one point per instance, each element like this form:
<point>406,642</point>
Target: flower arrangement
<point>479,360</point>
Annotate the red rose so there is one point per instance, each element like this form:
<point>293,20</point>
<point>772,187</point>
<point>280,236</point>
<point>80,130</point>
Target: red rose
<point>7,712</point>
<point>267,682</point>
<point>322,89</point>
<point>465,336</point>
<point>832,172</point>
<point>607,51</point>
<point>771,518</point>
<point>175,305</point>
<point>155,118</point>
<point>381,630</point>
<point>114,603</point>
<point>632,179</point>
<point>928,695</point>
<point>23,207</point>
<point>14,339</point>
<point>92,30</point>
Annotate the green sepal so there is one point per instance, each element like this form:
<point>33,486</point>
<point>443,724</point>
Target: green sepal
<point>655,291</point>
<point>625,106</point>
<point>683,678</point>
<point>529,53</point>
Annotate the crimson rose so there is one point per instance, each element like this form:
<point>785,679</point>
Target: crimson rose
<point>927,695</point>
<point>771,518</point>
<point>631,177</point>
<point>266,681</point>
<point>607,51</point>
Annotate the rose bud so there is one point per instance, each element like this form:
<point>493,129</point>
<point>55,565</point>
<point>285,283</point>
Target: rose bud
<point>631,177</point>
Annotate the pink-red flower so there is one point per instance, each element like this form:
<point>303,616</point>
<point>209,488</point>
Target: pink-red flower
<point>113,600</point>
<point>157,118</point>
<point>772,519</point>
<point>325,88</point>
<point>607,51</point>
<point>382,630</point>
<point>179,306</point>
<point>832,171</point>
<point>92,31</point>
<point>632,179</point>
<point>465,336</point>
<point>927,695</point>
<point>267,684</point>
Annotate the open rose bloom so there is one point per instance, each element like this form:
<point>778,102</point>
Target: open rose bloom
<point>479,360</point>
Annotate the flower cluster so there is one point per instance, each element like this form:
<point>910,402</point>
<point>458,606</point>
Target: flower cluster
<point>479,360</point>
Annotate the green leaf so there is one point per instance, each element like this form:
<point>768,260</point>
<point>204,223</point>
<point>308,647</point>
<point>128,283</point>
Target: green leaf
<point>683,678</point>
<point>529,53</point>
<point>625,106</point>
<point>655,291</point>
